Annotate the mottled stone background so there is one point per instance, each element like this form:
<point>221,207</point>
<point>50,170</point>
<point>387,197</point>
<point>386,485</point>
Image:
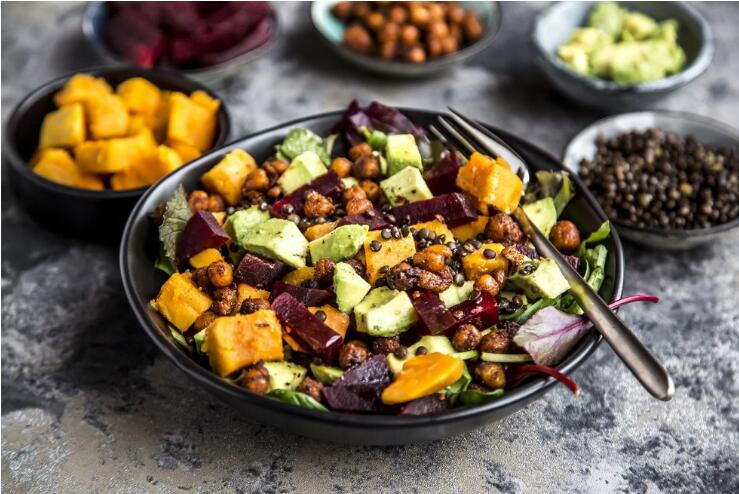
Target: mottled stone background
<point>89,404</point>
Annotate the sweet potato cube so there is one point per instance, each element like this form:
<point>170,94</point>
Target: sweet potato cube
<point>228,176</point>
<point>82,88</point>
<point>108,116</point>
<point>438,227</point>
<point>318,231</point>
<point>140,95</point>
<point>147,170</point>
<point>203,99</point>
<point>186,152</point>
<point>299,276</point>
<point>470,230</point>
<point>115,155</point>
<point>180,301</point>
<point>491,181</point>
<point>64,127</point>
<point>393,251</point>
<point>58,166</point>
<point>245,291</point>
<point>476,264</point>
<point>191,122</point>
<point>236,342</point>
<point>205,258</point>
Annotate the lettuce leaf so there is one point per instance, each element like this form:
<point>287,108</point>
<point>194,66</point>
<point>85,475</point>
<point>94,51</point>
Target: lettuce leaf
<point>598,235</point>
<point>556,185</point>
<point>296,398</point>
<point>475,397</point>
<point>175,218</point>
<point>299,140</point>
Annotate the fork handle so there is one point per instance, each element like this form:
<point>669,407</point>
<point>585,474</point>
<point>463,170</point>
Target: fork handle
<point>645,367</point>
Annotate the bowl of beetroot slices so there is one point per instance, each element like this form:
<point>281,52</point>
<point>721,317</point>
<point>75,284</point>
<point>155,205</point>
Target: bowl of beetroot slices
<point>206,41</point>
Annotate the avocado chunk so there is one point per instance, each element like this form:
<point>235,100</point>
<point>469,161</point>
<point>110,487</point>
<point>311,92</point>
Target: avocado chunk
<point>342,243</point>
<point>406,186</point>
<point>434,344</point>
<point>304,168</point>
<point>349,287</point>
<point>241,222</point>
<point>277,239</point>
<point>543,213</point>
<point>285,375</point>
<point>385,312</point>
<point>457,294</point>
<point>325,373</point>
<point>545,281</point>
<point>401,152</point>
<point>349,181</point>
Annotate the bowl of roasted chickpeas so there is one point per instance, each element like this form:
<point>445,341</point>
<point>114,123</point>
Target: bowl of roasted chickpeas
<point>406,39</point>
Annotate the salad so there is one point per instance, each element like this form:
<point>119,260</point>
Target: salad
<point>390,278</point>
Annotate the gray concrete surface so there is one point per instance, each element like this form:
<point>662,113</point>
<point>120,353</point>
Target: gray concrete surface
<point>89,405</point>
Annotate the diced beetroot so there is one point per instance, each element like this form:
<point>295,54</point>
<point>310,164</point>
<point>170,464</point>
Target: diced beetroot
<point>310,331</point>
<point>181,18</point>
<point>359,389</point>
<point>456,209</point>
<point>311,297</point>
<point>428,405</point>
<point>201,232</point>
<point>526,250</point>
<point>441,178</point>
<point>258,272</point>
<point>433,316</point>
<point>377,221</point>
<point>329,184</point>
<point>135,38</point>
<point>256,38</point>
<point>482,306</point>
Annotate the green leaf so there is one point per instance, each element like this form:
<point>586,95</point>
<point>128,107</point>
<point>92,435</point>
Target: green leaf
<point>456,388</point>
<point>180,338</point>
<point>296,398</point>
<point>556,185</point>
<point>475,397</point>
<point>600,234</point>
<point>505,358</point>
<point>375,138</point>
<point>524,313</point>
<point>163,263</point>
<point>175,218</point>
<point>564,195</point>
<point>299,140</point>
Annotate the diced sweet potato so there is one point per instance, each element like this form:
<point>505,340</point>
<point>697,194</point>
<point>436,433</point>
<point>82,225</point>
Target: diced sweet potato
<point>238,341</point>
<point>491,181</point>
<point>205,258</point>
<point>203,99</point>
<point>392,252</point>
<point>115,155</point>
<point>228,176</point>
<point>81,88</point>
<point>64,127</point>
<point>191,122</point>
<point>58,166</point>
<point>438,227</point>
<point>318,231</point>
<point>180,301</point>
<point>247,291</point>
<point>299,276</point>
<point>470,230</point>
<point>186,152</point>
<point>476,264</point>
<point>108,116</point>
<point>140,95</point>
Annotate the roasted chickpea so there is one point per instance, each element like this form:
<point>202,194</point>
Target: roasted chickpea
<point>342,167</point>
<point>388,50</point>
<point>342,10</point>
<point>257,180</point>
<point>275,167</point>
<point>371,189</point>
<point>360,9</point>
<point>352,354</point>
<point>502,228</point>
<point>323,272</point>
<point>256,379</point>
<point>385,345</point>
<point>454,13</point>
<point>438,29</point>
<point>415,54</point>
<point>317,205</point>
<point>514,256</point>
<point>220,274</point>
<point>250,305</point>
<point>397,14</point>
<point>201,279</point>
<point>455,31</point>
<point>204,320</point>
<point>440,249</point>
<point>429,260</point>
<point>565,236</point>
<point>360,150</point>
<point>198,200</point>
<point>358,206</point>
<point>224,301</point>
<point>435,282</point>
<point>311,387</point>
<point>495,342</point>
<point>409,34</point>
<point>366,167</point>
<point>389,32</point>
<point>486,283</point>
<point>472,26</point>
<point>216,203</point>
<point>433,47</point>
<point>375,21</point>
<point>490,374</point>
<point>358,39</point>
<point>274,192</point>
<point>436,11</point>
<point>419,15</point>
<point>449,45</point>
<point>353,192</point>
<point>466,337</point>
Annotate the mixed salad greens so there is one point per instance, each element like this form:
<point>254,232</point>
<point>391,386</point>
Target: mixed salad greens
<point>390,278</point>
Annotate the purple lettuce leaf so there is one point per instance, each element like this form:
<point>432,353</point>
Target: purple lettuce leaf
<point>376,116</point>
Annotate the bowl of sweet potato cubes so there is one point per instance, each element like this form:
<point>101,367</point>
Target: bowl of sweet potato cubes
<point>83,148</point>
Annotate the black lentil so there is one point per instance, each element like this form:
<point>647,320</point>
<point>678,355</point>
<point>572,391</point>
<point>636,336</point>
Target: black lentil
<point>375,246</point>
<point>489,253</point>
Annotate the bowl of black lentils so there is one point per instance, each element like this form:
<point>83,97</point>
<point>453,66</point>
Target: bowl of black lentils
<point>667,180</point>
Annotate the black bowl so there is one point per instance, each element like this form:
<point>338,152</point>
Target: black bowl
<point>142,282</point>
<point>90,214</point>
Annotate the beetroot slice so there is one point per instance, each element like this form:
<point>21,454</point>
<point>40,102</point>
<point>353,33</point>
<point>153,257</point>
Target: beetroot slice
<point>311,297</point>
<point>483,306</point>
<point>310,332</point>
<point>329,184</point>
<point>442,176</point>
<point>428,405</point>
<point>258,272</point>
<point>433,316</point>
<point>256,38</point>
<point>135,38</point>
<point>201,232</point>
<point>378,221</point>
<point>359,389</point>
<point>456,209</point>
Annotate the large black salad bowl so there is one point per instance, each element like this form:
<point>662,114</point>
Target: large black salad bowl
<point>142,281</point>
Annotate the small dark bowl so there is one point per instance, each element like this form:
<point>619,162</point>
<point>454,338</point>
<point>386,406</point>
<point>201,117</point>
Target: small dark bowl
<point>554,25</point>
<point>89,214</point>
<point>332,32</point>
<point>705,130</point>
<point>142,282</point>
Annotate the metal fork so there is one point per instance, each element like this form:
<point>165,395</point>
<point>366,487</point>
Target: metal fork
<point>467,136</point>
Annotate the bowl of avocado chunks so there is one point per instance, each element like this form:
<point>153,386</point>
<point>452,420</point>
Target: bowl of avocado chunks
<point>618,56</point>
<point>364,284</point>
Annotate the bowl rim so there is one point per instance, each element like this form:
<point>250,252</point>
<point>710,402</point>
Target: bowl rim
<point>10,150</point>
<point>675,81</point>
<point>206,378</point>
<point>101,47</point>
<point>405,68</point>
<point>680,115</point>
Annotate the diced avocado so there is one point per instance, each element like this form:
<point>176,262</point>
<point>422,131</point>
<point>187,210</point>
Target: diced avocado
<point>278,239</point>
<point>285,375</point>
<point>401,152</point>
<point>349,181</point>
<point>341,243</point>
<point>385,312</point>
<point>456,294</point>
<point>545,281</point>
<point>349,287</point>
<point>543,214</point>
<point>406,186</point>
<point>383,162</point>
<point>199,339</point>
<point>434,344</point>
<point>304,168</point>
<point>238,224</point>
<point>325,373</point>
